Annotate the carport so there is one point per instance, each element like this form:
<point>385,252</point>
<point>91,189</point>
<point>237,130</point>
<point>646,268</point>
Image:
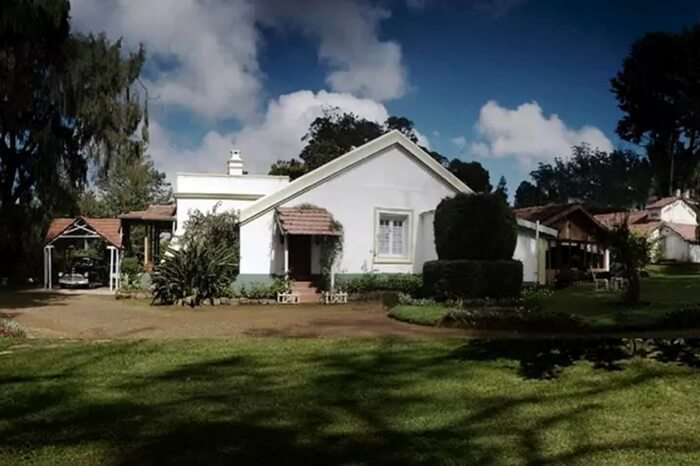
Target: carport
<point>80,231</point>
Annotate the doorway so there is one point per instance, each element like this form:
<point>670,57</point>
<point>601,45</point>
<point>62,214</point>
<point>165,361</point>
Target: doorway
<point>300,257</point>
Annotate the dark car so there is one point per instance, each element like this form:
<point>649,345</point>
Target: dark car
<point>84,273</point>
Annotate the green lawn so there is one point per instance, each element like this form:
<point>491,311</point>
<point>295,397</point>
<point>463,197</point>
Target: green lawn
<point>667,289</point>
<point>326,402</point>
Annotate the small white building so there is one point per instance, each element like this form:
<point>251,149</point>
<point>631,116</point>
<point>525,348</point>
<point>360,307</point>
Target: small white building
<point>382,195</point>
<point>670,223</point>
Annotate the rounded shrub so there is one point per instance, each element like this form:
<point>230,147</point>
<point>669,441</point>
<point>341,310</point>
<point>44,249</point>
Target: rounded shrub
<point>472,279</point>
<point>475,226</point>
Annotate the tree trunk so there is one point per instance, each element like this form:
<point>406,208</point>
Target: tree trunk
<point>633,291</point>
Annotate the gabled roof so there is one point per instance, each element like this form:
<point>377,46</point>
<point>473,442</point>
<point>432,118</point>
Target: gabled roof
<point>108,228</point>
<point>550,214</point>
<point>616,218</point>
<point>155,212</point>
<point>687,232</point>
<point>346,161</point>
<point>664,201</point>
<point>307,221</point>
<point>547,231</point>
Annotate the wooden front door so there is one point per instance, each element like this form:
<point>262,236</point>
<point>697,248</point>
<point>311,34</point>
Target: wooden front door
<point>300,256</point>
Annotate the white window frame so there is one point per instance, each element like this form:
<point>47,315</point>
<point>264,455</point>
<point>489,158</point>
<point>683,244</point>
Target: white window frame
<point>406,258</point>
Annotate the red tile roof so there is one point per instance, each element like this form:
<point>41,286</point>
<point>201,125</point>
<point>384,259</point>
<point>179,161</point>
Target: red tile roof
<point>687,232</point>
<point>307,221</point>
<point>616,218</point>
<point>543,213</point>
<point>664,201</point>
<point>154,212</point>
<point>107,228</point>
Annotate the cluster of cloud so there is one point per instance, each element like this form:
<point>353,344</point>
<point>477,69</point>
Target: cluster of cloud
<point>211,47</point>
<point>276,136</point>
<point>527,134</point>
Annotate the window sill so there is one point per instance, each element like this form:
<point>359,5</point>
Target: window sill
<point>393,260</point>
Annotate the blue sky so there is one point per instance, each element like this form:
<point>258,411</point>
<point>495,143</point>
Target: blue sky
<point>509,83</point>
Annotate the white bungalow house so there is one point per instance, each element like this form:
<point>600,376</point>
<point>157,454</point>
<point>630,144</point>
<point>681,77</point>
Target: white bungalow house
<point>669,222</point>
<point>382,195</point>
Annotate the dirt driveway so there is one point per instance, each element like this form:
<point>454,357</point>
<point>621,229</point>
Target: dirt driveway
<point>102,317</point>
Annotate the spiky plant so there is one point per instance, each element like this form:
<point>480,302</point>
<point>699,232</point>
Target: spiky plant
<point>193,274</point>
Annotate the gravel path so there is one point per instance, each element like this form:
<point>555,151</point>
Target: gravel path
<point>102,317</point>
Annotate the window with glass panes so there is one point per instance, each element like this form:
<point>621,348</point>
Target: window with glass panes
<point>392,235</point>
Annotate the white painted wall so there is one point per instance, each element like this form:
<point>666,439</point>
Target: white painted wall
<point>526,252</point>
<point>390,179</point>
<point>425,240</point>
<point>234,192</point>
<point>694,253</point>
<point>262,252</point>
<point>679,212</point>
<point>674,247</point>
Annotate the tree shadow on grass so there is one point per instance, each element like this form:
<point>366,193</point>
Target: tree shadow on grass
<point>393,403</point>
<point>546,358</point>
<point>11,300</point>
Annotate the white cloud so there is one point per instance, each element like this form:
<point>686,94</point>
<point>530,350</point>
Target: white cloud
<point>459,141</point>
<point>277,136</point>
<point>211,47</point>
<point>529,135</point>
<point>348,32</point>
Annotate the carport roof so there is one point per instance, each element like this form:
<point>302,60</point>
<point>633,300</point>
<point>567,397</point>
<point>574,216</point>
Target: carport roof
<point>108,228</point>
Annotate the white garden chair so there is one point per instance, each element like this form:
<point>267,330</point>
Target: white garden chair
<point>600,283</point>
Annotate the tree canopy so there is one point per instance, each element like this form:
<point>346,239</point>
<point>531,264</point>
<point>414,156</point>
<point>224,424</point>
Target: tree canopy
<point>335,133</point>
<point>69,103</point>
<point>619,179</point>
<point>658,91</point>
<point>473,174</point>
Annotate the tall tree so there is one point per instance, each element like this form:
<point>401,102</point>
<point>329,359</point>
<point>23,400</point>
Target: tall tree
<point>619,179</point>
<point>528,195</point>
<point>130,185</point>
<point>67,100</point>
<point>658,90</point>
<point>502,188</point>
<point>473,174</point>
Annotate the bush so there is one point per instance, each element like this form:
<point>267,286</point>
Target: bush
<point>475,226</point>
<point>407,283</point>
<point>470,279</point>
<point>262,290</point>
<point>193,274</point>
<point>131,269</point>
<point>219,231</point>
<point>681,319</point>
<point>517,319</point>
<point>10,328</point>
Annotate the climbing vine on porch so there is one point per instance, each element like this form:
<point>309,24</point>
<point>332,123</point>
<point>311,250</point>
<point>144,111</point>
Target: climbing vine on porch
<point>331,248</point>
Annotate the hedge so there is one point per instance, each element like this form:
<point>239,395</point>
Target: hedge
<point>474,226</point>
<point>401,282</point>
<point>470,279</point>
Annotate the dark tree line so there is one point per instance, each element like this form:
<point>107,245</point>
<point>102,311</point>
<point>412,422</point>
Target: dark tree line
<point>619,179</point>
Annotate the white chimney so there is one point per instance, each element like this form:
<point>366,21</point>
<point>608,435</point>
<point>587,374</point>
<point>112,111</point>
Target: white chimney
<point>678,193</point>
<point>686,194</point>
<point>235,163</point>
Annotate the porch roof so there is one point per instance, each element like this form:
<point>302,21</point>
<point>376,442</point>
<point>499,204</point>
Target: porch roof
<point>153,213</point>
<point>307,221</point>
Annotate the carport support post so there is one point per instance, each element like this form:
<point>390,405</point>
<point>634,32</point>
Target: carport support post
<point>112,250</point>
<point>286,256</point>
<point>48,277</point>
